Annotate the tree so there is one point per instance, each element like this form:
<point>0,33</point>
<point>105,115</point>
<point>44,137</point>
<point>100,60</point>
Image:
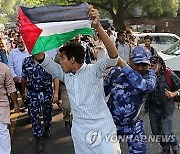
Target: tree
<point>13,16</point>
<point>3,20</point>
<point>119,9</point>
<point>9,7</point>
<point>170,8</point>
<point>116,8</point>
<point>178,12</point>
<point>160,8</point>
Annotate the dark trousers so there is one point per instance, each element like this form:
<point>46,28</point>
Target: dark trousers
<point>161,124</point>
<point>38,101</point>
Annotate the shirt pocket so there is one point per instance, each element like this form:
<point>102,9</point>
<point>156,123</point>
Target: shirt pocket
<point>30,72</point>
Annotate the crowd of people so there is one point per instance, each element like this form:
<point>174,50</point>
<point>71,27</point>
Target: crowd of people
<point>83,72</point>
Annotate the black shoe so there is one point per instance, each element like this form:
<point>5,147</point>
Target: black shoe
<point>47,133</point>
<point>68,125</point>
<point>40,146</point>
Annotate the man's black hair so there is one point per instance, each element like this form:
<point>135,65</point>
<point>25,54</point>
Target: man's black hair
<point>121,32</point>
<point>148,37</point>
<point>75,50</point>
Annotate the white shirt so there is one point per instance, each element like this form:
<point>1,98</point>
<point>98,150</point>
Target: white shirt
<point>124,51</point>
<point>86,92</point>
<point>102,51</point>
<point>52,53</point>
<point>89,109</point>
<point>15,60</point>
<point>113,38</point>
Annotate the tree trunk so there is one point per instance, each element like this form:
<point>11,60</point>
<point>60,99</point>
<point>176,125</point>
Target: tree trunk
<point>118,21</point>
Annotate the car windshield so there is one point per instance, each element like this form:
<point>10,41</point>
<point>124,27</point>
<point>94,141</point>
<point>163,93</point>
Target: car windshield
<point>174,49</point>
<point>160,39</point>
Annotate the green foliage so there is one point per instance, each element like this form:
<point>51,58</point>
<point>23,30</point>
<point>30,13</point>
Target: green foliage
<point>104,14</point>
<point>160,8</point>
<point>170,8</point>
<point>32,3</point>
<point>4,20</point>
<point>7,6</point>
<point>118,10</point>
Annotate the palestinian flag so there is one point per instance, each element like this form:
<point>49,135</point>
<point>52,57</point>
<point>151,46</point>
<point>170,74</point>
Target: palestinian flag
<point>48,27</point>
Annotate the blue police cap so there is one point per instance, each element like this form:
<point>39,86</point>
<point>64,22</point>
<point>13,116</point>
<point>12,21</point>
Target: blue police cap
<point>140,55</point>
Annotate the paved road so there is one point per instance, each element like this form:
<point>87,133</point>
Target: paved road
<point>60,141</point>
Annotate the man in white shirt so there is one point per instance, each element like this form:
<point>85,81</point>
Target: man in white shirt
<point>112,37</point>
<point>92,122</point>
<point>123,47</point>
<point>15,59</point>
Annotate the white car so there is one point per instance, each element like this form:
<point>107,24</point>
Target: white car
<point>171,57</point>
<point>160,41</point>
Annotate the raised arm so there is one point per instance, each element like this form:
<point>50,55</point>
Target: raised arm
<point>94,16</point>
<point>110,46</point>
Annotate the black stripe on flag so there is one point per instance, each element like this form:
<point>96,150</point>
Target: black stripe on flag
<point>46,14</point>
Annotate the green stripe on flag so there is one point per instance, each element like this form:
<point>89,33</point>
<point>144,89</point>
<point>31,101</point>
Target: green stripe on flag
<point>56,40</point>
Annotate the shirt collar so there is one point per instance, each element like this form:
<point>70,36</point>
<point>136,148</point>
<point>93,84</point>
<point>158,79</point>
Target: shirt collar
<point>125,43</point>
<point>80,69</point>
<point>20,51</point>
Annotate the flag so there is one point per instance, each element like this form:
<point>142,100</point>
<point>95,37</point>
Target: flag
<point>48,27</point>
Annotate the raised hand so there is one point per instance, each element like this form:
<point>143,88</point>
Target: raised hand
<point>93,15</point>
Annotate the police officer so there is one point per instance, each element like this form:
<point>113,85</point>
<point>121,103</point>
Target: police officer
<point>129,86</point>
<point>39,92</point>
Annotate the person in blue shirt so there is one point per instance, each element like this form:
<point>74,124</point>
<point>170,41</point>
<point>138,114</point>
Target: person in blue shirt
<point>129,86</point>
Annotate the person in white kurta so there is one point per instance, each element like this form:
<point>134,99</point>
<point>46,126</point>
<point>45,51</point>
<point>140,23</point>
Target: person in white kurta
<point>6,87</point>
<point>92,123</point>
<point>89,109</point>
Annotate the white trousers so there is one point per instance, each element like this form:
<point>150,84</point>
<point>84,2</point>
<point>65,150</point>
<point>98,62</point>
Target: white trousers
<point>94,143</point>
<point>5,142</point>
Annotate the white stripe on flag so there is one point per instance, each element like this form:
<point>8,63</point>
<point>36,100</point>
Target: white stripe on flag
<point>62,27</point>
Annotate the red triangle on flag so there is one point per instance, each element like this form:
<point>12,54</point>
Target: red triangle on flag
<point>29,31</point>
